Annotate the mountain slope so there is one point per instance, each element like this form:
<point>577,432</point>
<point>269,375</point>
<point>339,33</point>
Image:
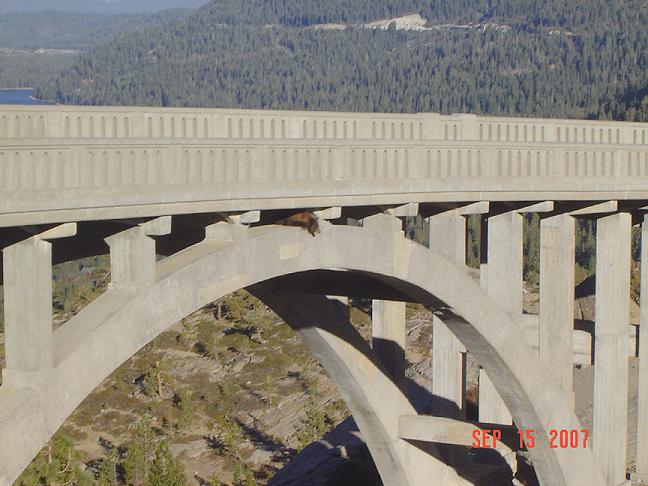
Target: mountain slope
<point>65,30</point>
<point>96,6</point>
<point>514,58</point>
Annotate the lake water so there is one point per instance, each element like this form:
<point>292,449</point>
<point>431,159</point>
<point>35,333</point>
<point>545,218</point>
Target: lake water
<point>19,97</point>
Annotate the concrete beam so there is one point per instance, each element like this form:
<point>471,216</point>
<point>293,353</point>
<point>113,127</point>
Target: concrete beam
<point>613,243</point>
<point>383,222</point>
<point>410,209</point>
<point>601,208</point>
<point>428,428</point>
<point>642,412</point>
<point>223,231</point>
<point>557,283</point>
<point>157,227</point>
<point>28,306</point>
<point>248,217</point>
<point>541,207</point>
<point>334,212</point>
<point>480,207</point>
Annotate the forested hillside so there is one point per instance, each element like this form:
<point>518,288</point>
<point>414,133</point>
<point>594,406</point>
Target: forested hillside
<point>34,47</point>
<point>581,59</point>
<point>67,30</point>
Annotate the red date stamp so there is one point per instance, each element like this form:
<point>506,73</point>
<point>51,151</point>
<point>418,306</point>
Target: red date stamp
<point>558,438</point>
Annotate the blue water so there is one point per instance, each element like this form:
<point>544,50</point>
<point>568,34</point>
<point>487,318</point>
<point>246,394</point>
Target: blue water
<point>19,97</point>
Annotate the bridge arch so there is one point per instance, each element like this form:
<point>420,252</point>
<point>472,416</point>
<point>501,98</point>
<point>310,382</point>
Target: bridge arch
<point>116,325</point>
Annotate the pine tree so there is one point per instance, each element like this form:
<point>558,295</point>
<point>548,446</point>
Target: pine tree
<point>108,471</point>
<point>314,424</point>
<point>166,470</point>
<point>139,454</point>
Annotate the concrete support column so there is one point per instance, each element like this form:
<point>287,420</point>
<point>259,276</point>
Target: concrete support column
<point>505,261</point>
<point>613,240</point>
<point>387,317</point>
<point>557,282</point>
<point>28,306</point>
<point>132,255</point>
<point>502,280</point>
<point>388,336</point>
<point>642,412</point>
<point>448,238</point>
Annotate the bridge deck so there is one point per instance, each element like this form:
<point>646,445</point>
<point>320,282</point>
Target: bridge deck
<point>60,163</point>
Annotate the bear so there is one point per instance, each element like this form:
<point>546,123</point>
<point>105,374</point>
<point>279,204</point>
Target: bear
<point>305,220</point>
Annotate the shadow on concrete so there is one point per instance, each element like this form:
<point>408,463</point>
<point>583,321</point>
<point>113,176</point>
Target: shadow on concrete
<point>481,466</point>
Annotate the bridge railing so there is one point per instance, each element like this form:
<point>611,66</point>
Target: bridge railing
<point>18,122</point>
<point>82,174</point>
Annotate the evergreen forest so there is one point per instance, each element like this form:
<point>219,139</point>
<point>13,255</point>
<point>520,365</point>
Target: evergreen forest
<point>582,59</point>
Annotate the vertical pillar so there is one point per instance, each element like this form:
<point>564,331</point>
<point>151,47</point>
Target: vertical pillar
<point>502,280</point>
<point>132,254</point>
<point>447,233</point>
<point>613,240</point>
<point>28,306</point>
<point>642,412</point>
<point>388,318</point>
<point>557,282</point>
<point>388,336</point>
<point>505,261</point>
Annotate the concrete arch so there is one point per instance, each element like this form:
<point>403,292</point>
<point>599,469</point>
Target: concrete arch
<point>115,326</point>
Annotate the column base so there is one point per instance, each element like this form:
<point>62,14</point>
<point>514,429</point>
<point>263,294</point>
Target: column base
<point>18,379</point>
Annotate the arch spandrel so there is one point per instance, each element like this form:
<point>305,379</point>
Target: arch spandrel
<point>115,326</point>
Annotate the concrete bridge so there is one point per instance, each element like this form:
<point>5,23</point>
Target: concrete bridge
<point>202,187</point>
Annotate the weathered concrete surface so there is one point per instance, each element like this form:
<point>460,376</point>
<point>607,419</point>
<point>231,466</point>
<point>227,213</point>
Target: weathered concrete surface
<point>447,237</point>
<point>388,336</point>
<point>388,317</point>
<point>557,282</point>
<point>642,410</point>
<point>613,243</point>
<point>117,324</point>
<point>62,164</point>
<point>28,307</point>
<point>502,280</point>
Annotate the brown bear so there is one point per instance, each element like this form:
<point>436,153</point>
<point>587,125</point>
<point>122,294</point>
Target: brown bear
<point>305,220</point>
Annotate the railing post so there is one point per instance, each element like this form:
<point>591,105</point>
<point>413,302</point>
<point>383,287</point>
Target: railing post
<point>28,306</point>
<point>613,244</point>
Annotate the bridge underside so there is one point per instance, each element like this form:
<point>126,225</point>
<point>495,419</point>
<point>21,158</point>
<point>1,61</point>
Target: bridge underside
<point>292,272</point>
<point>203,189</point>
